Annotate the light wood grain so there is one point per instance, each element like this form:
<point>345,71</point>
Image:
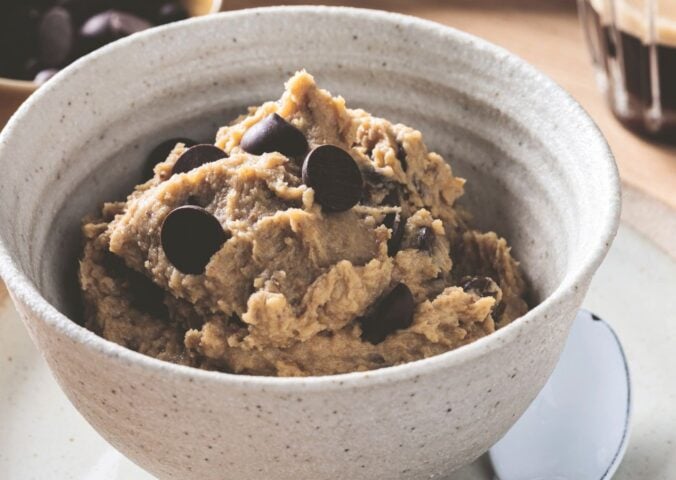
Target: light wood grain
<point>546,33</point>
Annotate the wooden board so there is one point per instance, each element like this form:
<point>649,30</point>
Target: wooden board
<point>547,34</point>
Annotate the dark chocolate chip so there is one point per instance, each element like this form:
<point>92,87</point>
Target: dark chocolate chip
<point>401,156</point>
<point>392,198</point>
<point>197,156</point>
<point>44,75</point>
<point>334,176</point>
<point>171,12</point>
<point>55,37</point>
<point>425,238</point>
<point>80,10</point>
<point>109,26</point>
<point>376,358</point>
<point>162,151</point>
<point>274,134</point>
<point>498,309</point>
<point>481,286</point>
<point>373,177</point>
<point>237,321</point>
<point>396,223</point>
<point>190,236</point>
<point>394,311</point>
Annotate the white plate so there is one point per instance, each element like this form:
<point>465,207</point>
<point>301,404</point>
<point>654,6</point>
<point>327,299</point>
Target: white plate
<point>42,436</point>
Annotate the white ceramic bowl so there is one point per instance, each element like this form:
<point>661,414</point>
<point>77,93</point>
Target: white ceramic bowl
<point>539,173</point>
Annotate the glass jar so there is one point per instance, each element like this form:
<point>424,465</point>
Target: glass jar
<point>633,47</point>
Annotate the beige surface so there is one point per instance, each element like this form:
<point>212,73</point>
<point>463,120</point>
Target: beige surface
<point>546,33</point>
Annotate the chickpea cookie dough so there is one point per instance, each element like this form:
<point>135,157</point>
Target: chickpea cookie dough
<point>309,239</point>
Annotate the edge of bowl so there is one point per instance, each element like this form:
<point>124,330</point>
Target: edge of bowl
<point>21,286</point>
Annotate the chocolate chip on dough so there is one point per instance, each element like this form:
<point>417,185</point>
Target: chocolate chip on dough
<point>162,151</point>
<point>481,286</point>
<point>401,156</point>
<point>425,238</point>
<point>190,236</point>
<point>197,156</point>
<point>334,176</point>
<point>274,134</point>
<point>397,223</point>
<point>393,311</point>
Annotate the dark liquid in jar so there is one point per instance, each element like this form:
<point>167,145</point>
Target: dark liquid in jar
<point>639,76</point>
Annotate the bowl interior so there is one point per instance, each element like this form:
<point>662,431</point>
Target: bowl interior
<point>537,171</point>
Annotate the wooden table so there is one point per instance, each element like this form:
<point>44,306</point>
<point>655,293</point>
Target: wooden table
<point>547,34</point>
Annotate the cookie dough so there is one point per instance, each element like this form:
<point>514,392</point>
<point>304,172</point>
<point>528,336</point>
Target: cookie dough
<point>273,261</point>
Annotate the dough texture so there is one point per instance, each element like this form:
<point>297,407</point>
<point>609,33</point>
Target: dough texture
<point>285,294</point>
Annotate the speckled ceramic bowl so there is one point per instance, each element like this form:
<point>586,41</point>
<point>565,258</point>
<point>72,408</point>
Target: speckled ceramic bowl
<point>539,173</point>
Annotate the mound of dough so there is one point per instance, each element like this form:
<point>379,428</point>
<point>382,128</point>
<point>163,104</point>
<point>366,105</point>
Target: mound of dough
<point>288,292</point>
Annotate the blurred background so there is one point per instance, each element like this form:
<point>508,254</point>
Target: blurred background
<point>38,37</point>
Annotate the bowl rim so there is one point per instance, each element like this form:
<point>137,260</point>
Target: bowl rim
<point>22,288</point>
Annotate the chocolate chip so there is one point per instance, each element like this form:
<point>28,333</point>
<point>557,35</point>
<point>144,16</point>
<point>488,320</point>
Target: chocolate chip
<point>190,236</point>
<point>109,26</point>
<point>197,156</point>
<point>162,151</point>
<point>80,10</point>
<point>274,134</point>
<point>44,75</point>
<point>55,37</point>
<point>401,156</point>
<point>396,223</point>
<point>425,238</point>
<point>237,321</point>
<point>485,287</point>
<point>376,358</point>
<point>480,286</point>
<point>372,177</point>
<point>392,198</point>
<point>394,311</point>
<point>171,12</point>
<point>334,176</point>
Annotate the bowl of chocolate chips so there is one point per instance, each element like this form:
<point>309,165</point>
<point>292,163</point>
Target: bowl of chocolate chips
<point>40,37</point>
<point>302,242</point>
